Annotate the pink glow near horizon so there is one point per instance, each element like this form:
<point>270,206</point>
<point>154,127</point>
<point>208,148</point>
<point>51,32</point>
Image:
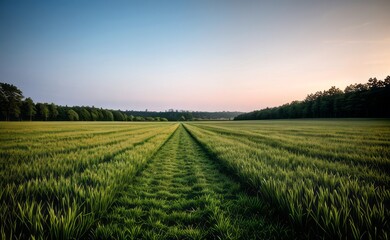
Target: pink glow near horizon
<point>192,56</point>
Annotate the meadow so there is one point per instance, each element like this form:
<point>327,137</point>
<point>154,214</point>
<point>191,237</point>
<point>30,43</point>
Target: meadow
<point>279,179</point>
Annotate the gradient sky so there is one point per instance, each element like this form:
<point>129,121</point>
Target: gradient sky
<point>192,55</point>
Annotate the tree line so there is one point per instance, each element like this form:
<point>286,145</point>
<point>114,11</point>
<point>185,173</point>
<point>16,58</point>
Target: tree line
<point>182,115</point>
<point>14,107</point>
<point>369,100</point>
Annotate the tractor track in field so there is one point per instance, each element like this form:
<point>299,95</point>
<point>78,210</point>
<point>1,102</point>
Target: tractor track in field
<point>182,194</point>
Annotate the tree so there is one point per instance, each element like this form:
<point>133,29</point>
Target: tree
<point>10,100</point>
<point>107,115</point>
<point>130,118</point>
<point>72,115</point>
<point>44,111</point>
<point>97,114</point>
<point>100,114</point>
<point>138,118</point>
<point>149,119</point>
<point>53,111</point>
<point>357,100</point>
<point>374,83</point>
<point>118,116</point>
<point>84,115</point>
<point>62,113</point>
<point>28,108</point>
<point>387,81</point>
<point>94,114</point>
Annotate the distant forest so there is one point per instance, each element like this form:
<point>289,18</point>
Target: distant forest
<point>369,100</point>
<point>14,107</point>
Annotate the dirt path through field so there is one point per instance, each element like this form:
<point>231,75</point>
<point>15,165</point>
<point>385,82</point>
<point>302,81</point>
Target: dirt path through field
<point>183,195</point>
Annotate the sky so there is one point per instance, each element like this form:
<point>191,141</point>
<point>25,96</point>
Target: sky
<point>190,55</point>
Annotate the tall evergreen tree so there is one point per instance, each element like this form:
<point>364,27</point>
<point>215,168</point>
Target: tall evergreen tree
<point>10,101</point>
<point>53,111</point>
<point>28,108</point>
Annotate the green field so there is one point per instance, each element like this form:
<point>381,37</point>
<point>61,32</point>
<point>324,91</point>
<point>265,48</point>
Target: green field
<point>280,179</point>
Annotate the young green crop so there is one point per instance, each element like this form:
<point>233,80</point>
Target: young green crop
<point>327,176</point>
<point>183,195</point>
<point>63,191</point>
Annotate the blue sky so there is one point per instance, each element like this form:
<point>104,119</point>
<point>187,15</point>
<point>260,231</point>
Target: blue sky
<point>192,55</point>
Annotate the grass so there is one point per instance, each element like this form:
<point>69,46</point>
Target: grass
<point>286,179</point>
<point>183,195</point>
<point>328,178</point>
<point>62,189</point>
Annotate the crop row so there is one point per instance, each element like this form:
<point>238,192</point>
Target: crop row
<point>39,146</point>
<point>70,158</point>
<point>358,151</point>
<point>334,199</point>
<point>70,196</point>
<point>274,151</point>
